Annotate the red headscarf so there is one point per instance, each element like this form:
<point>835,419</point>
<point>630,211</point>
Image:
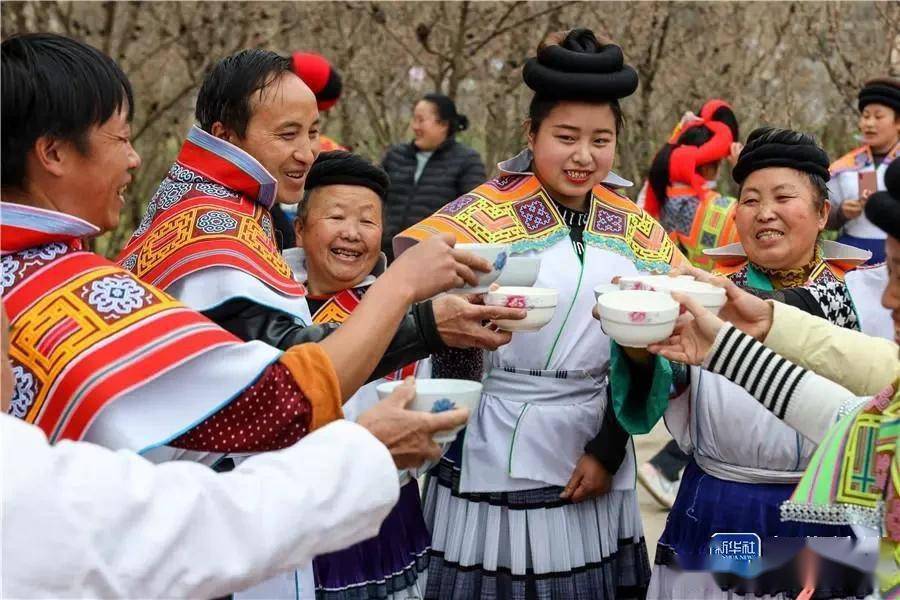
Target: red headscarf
<point>684,160</point>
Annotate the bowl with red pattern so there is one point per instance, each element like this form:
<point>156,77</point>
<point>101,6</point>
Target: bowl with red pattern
<point>539,302</point>
<point>636,318</point>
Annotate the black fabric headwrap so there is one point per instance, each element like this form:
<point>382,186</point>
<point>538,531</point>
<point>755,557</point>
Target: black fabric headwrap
<point>880,91</point>
<point>883,208</point>
<point>771,147</point>
<point>580,69</point>
<point>340,167</point>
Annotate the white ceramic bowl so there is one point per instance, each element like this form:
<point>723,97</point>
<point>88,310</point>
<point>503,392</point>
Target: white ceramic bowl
<point>520,271</point>
<point>636,318</point>
<point>438,395</point>
<point>539,302</point>
<point>496,254</point>
<point>710,296</point>
<point>605,288</point>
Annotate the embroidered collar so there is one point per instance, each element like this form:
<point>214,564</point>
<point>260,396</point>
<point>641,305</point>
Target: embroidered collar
<point>296,259</point>
<point>23,227</point>
<point>228,165</point>
<point>788,278</point>
<point>520,164</point>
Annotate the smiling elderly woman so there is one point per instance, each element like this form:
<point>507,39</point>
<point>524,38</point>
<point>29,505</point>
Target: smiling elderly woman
<point>745,461</point>
<point>338,257</point>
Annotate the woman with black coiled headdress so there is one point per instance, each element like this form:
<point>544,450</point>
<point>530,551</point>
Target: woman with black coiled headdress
<point>532,502</point>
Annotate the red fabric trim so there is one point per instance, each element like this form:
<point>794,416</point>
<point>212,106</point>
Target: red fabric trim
<point>16,239</point>
<point>150,365</point>
<point>191,334</point>
<point>201,254</point>
<point>217,169</point>
<point>651,203</point>
<point>35,285</point>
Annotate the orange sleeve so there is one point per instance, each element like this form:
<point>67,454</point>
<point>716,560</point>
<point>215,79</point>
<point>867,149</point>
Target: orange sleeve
<point>314,374</point>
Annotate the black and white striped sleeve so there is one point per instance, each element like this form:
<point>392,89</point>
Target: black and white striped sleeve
<point>807,402</point>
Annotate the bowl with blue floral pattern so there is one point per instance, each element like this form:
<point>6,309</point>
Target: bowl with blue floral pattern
<point>437,396</point>
<point>496,254</point>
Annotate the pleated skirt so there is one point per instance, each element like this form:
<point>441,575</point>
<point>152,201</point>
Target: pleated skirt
<point>706,505</point>
<point>385,567</point>
<point>531,544</point>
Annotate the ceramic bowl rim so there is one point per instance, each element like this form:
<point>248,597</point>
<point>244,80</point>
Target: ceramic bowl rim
<point>668,313</point>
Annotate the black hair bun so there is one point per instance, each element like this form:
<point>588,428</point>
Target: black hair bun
<point>462,122</point>
<point>773,147</point>
<point>580,68</point>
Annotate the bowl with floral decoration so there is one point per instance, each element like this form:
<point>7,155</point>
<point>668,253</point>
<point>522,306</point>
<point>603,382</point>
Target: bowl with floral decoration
<point>636,318</point>
<point>437,396</point>
<point>540,304</point>
<point>496,254</point>
<point>710,296</point>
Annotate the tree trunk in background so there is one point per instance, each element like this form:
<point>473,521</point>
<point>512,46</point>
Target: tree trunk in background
<point>797,64</point>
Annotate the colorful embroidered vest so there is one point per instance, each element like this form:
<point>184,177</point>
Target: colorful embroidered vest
<point>697,224</point>
<point>212,209</point>
<point>337,309</point>
<point>515,209</point>
<point>83,331</point>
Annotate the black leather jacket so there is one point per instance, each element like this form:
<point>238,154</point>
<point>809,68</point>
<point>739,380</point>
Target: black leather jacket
<point>416,338</point>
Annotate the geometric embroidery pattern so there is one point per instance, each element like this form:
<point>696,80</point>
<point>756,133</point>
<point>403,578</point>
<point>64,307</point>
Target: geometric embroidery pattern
<point>515,209</point>
<point>77,316</point>
<point>697,225</point>
<point>83,331</point>
<point>197,223</point>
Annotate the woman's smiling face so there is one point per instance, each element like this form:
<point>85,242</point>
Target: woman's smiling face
<point>574,149</point>
<point>779,217</point>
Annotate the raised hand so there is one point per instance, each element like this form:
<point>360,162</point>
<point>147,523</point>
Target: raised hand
<point>460,321</point>
<point>408,433</point>
<point>694,333</point>
<point>433,266</point>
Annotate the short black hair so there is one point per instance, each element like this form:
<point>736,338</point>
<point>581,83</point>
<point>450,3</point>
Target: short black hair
<point>340,167</point>
<point>227,89</point>
<point>541,106</point>
<point>55,86</point>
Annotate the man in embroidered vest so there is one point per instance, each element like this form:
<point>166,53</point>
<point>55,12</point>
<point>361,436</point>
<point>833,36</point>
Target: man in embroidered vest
<point>101,356</point>
<point>207,236</point>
